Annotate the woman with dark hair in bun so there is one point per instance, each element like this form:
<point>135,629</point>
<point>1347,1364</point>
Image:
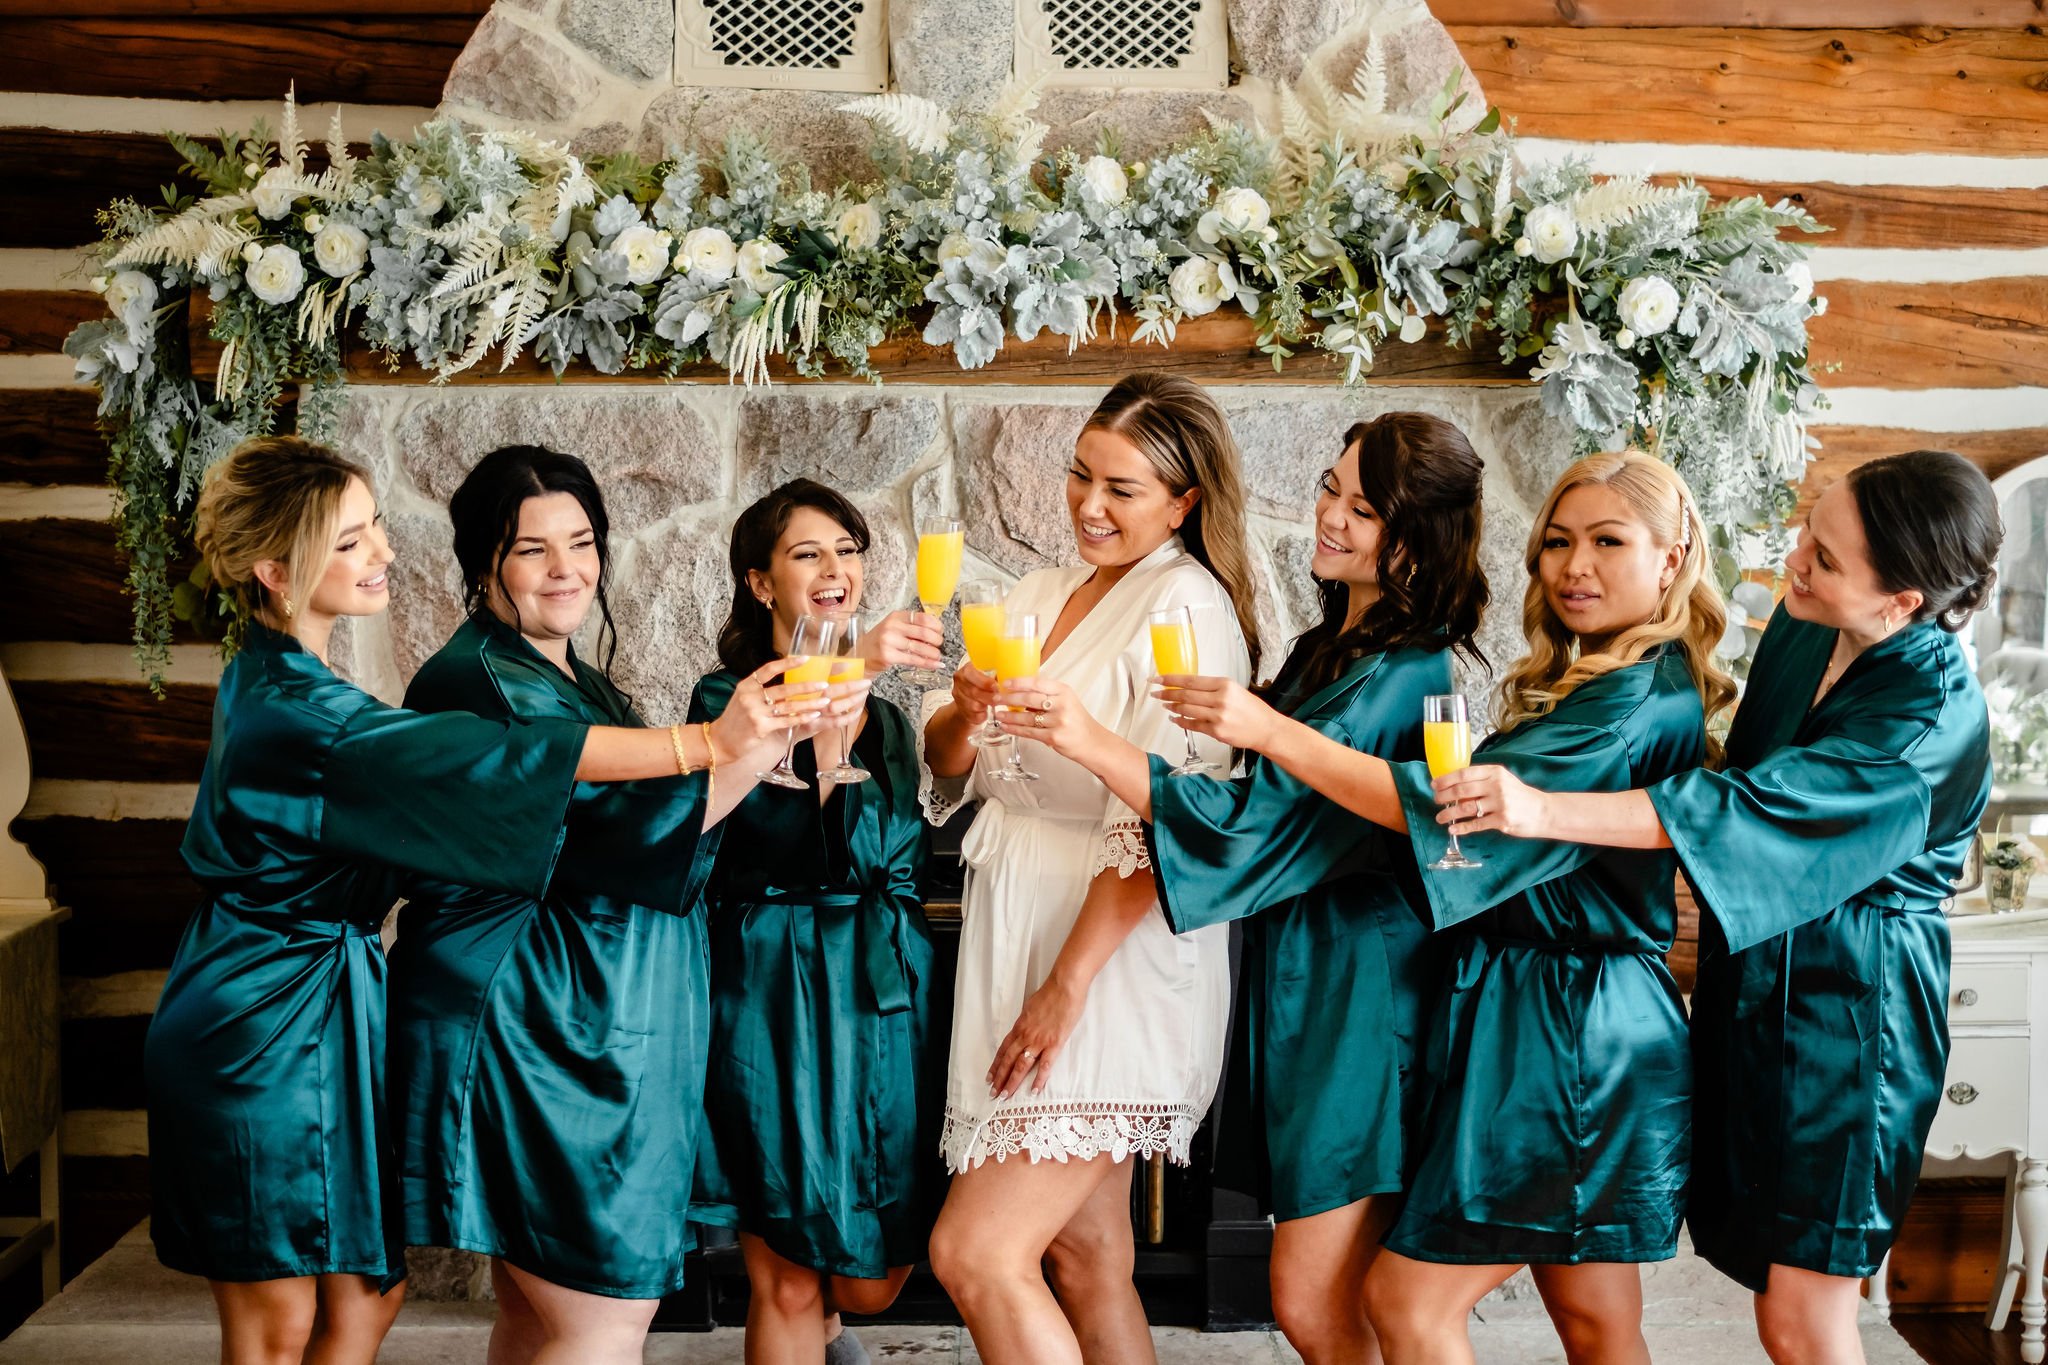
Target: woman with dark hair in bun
<point>1857,771</point>
<point>548,1050</point>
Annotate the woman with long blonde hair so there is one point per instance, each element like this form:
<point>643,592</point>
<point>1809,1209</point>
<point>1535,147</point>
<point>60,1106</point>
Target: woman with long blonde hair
<point>1557,1071</point>
<point>1086,1032</point>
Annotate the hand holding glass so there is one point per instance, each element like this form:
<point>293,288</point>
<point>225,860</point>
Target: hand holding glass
<point>981,627</point>
<point>940,541</point>
<point>1016,657</point>
<point>847,666</point>
<point>811,640</point>
<point>1447,744</point>
<point>1173,652</point>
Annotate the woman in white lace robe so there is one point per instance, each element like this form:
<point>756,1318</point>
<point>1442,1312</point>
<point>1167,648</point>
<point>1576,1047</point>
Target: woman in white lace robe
<point>1086,1033</point>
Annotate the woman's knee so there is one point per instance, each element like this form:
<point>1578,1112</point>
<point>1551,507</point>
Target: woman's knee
<point>1093,1251</point>
<point>793,1292</point>
<point>864,1297</point>
<point>1310,1311</point>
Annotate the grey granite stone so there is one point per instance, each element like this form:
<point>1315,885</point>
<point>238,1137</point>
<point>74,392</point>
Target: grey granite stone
<point>800,123</point>
<point>606,139</point>
<point>1532,446</point>
<point>855,442</point>
<point>635,38</point>
<point>518,74</point>
<point>1288,442</point>
<point>426,587</point>
<point>651,451</point>
<point>1011,479</point>
<point>956,52</point>
<point>674,591</point>
<point>1142,122</point>
<point>1272,38</point>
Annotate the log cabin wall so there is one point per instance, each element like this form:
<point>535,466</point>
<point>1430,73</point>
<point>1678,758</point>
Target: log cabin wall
<point>1920,132</point>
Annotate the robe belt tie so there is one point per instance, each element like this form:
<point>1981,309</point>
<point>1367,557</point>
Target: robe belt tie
<point>878,934</point>
<point>285,922</point>
<point>979,845</point>
<point>1550,945</point>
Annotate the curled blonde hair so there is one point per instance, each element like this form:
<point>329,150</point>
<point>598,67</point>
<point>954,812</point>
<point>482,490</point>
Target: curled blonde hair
<point>1690,613</point>
<point>1187,440</point>
<point>272,497</point>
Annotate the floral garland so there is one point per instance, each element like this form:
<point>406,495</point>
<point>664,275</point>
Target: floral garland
<point>1656,316</point>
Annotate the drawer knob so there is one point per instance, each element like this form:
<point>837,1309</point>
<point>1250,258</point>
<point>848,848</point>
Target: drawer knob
<point>1966,997</point>
<point>1962,1092</point>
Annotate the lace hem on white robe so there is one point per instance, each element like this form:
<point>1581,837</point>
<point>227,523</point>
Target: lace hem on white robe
<point>1070,1131</point>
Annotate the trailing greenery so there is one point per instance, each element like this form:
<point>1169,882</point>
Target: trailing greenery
<point>1655,316</point>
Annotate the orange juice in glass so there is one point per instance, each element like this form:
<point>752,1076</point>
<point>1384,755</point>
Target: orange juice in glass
<point>1017,656</point>
<point>1173,651</point>
<point>1447,745</point>
<point>847,666</point>
<point>810,641</point>
<point>940,543</point>
<point>981,629</point>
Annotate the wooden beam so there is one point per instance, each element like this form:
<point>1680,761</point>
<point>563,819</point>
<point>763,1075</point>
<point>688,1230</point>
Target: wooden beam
<point>1921,217</point>
<point>57,181</point>
<point>116,732</point>
<point>377,60</point>
<point>234,9</point>
<point>1742,13</point>
<point>127,888</point>
<point>93,606</point>
<point>36,321</point>
<point>1976,334</point>
<point>1973,90</point>
<point>1842,448</point>
<point>50,437</point>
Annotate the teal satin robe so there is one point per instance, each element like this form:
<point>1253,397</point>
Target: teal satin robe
<point>265,1060</point>
<point>826,1083</point>
<point>1559,1127</point>
<point>1338,968</point>
<point>1822,854</point>
<point>547,1052</point>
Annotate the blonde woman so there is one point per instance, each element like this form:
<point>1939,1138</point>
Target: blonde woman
<point>1086,1033</point>
<point>264,1061</point>
<point>1558,1130</point>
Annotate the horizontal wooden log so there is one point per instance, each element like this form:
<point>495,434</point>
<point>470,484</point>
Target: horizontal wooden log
<point>93,606</point>
<point>1889,90</point>
<point>1739,13</point>
<point>116,732</point>
<point>103,1063</point>
<point>1842,448</point>
<point>56,181</point>
<point>331,56</point>
<point>36,321</point>
<point>50,436</point>
<point>234,9</point>
<point>128,891</point>
<point>104,1197</point>
<point>1934,218</point>
<point>1977,334</point>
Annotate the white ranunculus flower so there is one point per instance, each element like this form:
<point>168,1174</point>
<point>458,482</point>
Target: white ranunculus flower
<point>757,260</point>
<point>252,252</point>
<point>1624,338</point>
<point>130,295</point>
<point>313,222</point>
<point>646,253</point>
<point>1552,233</point>
<point>1107,179</point>
<point>340,249</point>
<point>1200,285</point>
<point>709,254</point>
<point>1239,212</point>
<point>274,193</point>
<point>955,246</point>
<point>278,275</point>
<point>1801,275</point>
<point>859,228</point>
<point>1524,247</point>
<point>1648,305</point>
<point>99,284</point>
<point>429,199</point>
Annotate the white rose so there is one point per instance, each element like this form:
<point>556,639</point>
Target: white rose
<point>1552,233</point>
<point>314,222</point>
<point>708,253</point>
<point>430,199</point>
<point>955,246</point>
<point>277,276</point>
<point>1107,179</point>
<point>1524,247</point>
<point>1200,285</point>
<point>859,228</point>
<point>1648,305</point>
<point>130,295</point>
<point>274,193</point>
<point>99,284</point>
<point>757,260</point>
<point>1239,212</point>
<point>1624,338</point>
<point>340,249</point>
<point>1801,275</point>
<point>252,252</point>
<point>646,252</point>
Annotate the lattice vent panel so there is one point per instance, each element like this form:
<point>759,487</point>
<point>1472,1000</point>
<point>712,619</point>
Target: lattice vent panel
<point>783,44</point>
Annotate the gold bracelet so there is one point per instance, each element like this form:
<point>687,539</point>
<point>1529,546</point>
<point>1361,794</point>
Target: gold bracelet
<point>675,737</point>
<point>710,753</point>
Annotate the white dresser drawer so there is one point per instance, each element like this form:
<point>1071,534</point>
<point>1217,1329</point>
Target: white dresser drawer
<point>1987,993</point>
<point>1983,1099</point>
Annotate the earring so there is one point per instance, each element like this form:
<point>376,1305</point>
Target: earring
<point>1887,623</point>
<point>288,608</point>
<point>1410,579</point>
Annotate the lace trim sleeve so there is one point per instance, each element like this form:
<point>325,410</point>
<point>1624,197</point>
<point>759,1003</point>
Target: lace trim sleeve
<point>1123,848</point>
<point>938,796</point>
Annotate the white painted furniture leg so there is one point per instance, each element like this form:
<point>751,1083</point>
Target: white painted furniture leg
<point>1880,1287</point>
<point>2033,1210</point>
<point>2005,1289</point>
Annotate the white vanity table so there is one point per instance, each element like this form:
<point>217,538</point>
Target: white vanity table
<point>1995,1096</point>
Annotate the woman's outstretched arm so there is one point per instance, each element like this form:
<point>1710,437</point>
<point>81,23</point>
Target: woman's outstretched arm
<point>1489,797</point>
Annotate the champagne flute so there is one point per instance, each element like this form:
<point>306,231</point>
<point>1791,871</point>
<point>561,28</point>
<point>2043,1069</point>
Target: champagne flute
<point>981,626</point>
<point>1016,657</point>
<point>1447,744</point>
<point>940,541</point>
<point>847,666</point>
<point>1173,651</point>
<point>811,641</point>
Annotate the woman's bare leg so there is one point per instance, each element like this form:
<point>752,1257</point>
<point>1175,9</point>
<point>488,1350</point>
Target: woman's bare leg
<point>1597,1309</point>
<point>266,1322</point>
<point>1318,1274</point>
<point>585,1329</point>
<point>1420,1310</point>
<point>1806,1318</point>
<point>1091,1261</point>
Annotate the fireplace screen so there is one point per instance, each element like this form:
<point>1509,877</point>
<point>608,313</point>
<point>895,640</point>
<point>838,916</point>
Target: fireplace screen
<point>783,44</point>
<point>1149,44</point>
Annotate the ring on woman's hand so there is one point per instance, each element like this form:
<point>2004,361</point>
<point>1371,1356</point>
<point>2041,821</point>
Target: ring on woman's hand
<point>1040,718</point>
<point>1029,1054</point>
<point>775,708</point>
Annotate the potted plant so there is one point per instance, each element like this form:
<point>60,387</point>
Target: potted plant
<point>2008,867</point>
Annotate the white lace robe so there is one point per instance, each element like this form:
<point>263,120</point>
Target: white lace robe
<point>1142,1065</point>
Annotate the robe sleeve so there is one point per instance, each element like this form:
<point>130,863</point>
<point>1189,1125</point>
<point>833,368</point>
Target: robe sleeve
<point>1227,850</point>
<point>1772,846</point>
<point>1548,754</point>
<point>641,842</point>
<point>1146,724</point>
<point>450,795</point>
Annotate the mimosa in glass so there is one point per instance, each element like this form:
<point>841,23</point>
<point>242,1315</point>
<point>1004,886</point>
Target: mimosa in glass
<point>1447,744</point>
<point>981,628</point>
<point>940,541</point>
<point>1017,651</point>
<point>812,640</point>
<point>847,666</point>
<point>1173,651</point>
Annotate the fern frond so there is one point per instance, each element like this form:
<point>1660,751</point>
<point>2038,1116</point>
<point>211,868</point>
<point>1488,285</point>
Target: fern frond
<point>470,266</point>
<point>522,321</point>
<point>1369,80</point>
<point>1607,204</point>
<point>1017,100</point>
<point>1503,193</point>
<point>338,156</point>
<point>185,238</point>
<point>291,147</point>
<point>914,120</point>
